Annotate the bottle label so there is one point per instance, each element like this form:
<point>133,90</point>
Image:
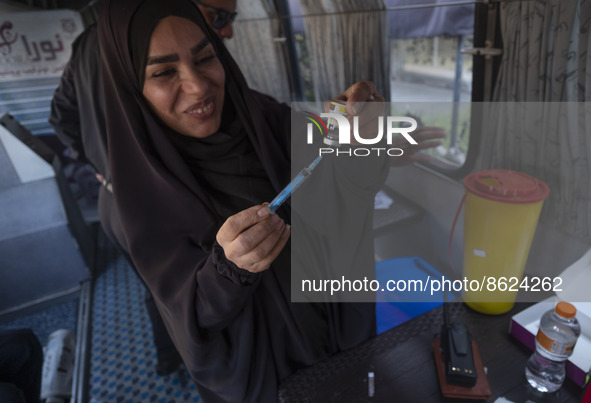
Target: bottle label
<point>554,346</point>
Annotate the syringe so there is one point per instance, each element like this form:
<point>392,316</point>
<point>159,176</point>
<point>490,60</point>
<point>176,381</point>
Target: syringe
<point>293,185</point>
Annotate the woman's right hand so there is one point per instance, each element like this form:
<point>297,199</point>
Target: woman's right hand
<point>253,238</point>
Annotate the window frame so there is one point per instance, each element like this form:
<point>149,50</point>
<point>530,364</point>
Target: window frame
<point>486,34</point>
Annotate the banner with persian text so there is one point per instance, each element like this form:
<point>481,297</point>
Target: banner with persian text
<point>37,44</point>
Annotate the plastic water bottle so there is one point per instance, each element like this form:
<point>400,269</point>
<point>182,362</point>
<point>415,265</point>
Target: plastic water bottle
<point>555,341</point>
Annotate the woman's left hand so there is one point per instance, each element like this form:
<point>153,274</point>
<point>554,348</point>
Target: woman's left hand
<point>363,101</point>
<point>426,137</point>
<point>356,96</point>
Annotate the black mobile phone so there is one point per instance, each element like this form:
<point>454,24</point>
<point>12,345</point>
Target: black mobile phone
<point>456,344</point>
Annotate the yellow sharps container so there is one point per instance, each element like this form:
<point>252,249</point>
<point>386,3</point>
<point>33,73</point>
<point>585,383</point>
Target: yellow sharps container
<point>500,218</point>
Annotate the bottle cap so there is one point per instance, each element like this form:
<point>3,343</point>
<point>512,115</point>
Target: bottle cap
<point>565,309</point>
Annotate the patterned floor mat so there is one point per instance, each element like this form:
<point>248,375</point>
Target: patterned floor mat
<point>123,356</point>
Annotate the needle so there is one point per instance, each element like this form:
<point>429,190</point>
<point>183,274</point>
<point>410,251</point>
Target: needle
<point>293,185</point>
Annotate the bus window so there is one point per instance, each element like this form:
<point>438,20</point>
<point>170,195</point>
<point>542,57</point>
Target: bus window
<point>415,51</point>
<point>429,77</point>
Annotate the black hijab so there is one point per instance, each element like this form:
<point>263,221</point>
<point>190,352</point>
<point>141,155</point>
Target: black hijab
<point>151,162</point>
<point>235,330</point>
<point>170,220</point>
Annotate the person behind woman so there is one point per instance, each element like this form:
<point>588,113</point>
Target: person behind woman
<point>193,154</point>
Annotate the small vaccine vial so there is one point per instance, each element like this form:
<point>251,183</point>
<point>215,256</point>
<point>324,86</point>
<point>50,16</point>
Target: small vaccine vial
<point>371,387</point>
<point>332,136</point>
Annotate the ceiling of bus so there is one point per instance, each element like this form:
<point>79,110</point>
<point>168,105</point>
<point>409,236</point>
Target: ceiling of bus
<point>7,6</point>
<point>452,20</point>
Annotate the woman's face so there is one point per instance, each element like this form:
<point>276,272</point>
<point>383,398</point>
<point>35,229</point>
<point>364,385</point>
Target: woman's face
<point>184,81</point>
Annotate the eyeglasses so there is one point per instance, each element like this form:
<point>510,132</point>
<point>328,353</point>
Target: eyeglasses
<point>221,17</point>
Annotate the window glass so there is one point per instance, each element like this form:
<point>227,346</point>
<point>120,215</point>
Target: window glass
<point>426,65</point>
<point>430,75</point>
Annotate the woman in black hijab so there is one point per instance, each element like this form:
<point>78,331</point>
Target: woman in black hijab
<point>192,150</point>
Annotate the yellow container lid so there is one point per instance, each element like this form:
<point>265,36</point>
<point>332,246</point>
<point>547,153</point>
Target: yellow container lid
<point>506,186</point>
